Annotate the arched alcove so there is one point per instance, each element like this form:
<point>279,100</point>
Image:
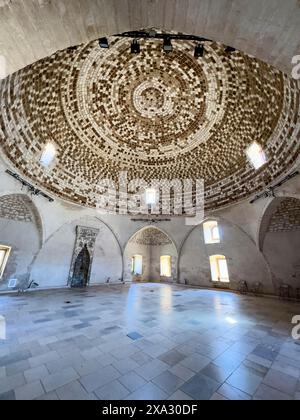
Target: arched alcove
<point>280,240</point>
<point>21,230</point>
<point>245,262</point>
<point>53,264</point>
<point>151,243</point>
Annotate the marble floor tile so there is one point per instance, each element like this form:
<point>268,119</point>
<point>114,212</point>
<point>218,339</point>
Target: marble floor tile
<point>124,342</point>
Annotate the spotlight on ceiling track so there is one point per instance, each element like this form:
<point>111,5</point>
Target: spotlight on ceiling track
<point>103,42</point>
<point>135,47</point>
<point>168,47</point>
<point>152,33</point>
<point>199,51</point>
<point>230,50</point>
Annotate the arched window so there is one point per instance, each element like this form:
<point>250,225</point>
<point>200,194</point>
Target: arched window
<point>211,232</point>
<point>219,269</point>
<point>137,265</point>
<point>4,254</point>
<point>165,266</point>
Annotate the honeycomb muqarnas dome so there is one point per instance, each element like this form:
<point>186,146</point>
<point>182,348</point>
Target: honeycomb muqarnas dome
<point>155,115</point>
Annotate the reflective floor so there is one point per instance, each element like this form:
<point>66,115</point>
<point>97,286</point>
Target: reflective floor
<point>147,341</point>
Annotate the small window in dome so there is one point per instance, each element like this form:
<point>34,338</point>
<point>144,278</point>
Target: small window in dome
<point>256,155</point>
<point>48,155</point>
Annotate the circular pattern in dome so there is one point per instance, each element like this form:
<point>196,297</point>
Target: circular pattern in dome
<point>155,115</point>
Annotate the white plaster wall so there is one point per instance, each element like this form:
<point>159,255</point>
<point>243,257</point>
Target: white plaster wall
<point>135,249</point>
<point>245,262</point>
<point>156,252</point>
<point>52,266</point>
<point>282,251</point>
<point>240,229</point>
<point>23,238</point>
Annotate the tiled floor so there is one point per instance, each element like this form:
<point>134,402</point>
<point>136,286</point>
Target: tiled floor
<point>148,341</point>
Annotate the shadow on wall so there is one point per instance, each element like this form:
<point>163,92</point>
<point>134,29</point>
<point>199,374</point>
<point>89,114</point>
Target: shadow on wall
<point>280,242</point>
<point>245,262</point>
<point>150,243</point>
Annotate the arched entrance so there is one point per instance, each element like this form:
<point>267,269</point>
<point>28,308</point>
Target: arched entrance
<point>150,256</point>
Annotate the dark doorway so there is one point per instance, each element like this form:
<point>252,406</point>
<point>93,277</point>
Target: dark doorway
<point>81,268</point>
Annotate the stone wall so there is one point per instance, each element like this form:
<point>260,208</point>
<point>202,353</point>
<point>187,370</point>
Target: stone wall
<point>16,207</point>
<point>286,217</point>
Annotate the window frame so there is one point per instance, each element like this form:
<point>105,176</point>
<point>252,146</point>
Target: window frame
<point>169,259</point>
<point>3,264</point>
<point>208,229</point>
<point>215,266</point>
<point>253,156</point>
<point>133,265</point>
<point>48,155</point>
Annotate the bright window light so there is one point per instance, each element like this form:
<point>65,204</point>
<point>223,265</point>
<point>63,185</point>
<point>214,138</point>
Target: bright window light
<point>165,266</point>
<point>211,232</point>
<point>4,254</point>
<point>137,265</point>
<point>150,196</point>
<point>219,268</point>
<point>256,155</point>
<point>48,155</point>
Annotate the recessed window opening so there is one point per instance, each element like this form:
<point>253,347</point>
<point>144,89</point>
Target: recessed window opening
<point>166,266</point>
<point>211,232</point>
<point>4,255</point>
<point>256,155</point>
<point>48,155</point>
<point>137,265</point>
<point>219,269</point>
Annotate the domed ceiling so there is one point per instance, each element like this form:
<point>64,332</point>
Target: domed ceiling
<point>155,115</point>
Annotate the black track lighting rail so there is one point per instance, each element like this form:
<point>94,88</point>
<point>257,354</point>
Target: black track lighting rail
<point>33,190</point>
<point>271,191</point>
<point>162,36</point>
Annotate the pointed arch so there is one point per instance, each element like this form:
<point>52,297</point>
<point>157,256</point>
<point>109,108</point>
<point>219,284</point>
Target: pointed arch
<point>158,243</point>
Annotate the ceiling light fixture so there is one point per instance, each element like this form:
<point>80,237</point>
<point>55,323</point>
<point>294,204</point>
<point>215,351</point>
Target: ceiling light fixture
<point>103,42</point>
<point>135,47</point>
<point>199,51</point>
<point>230,50</point>
<point>168,47</point>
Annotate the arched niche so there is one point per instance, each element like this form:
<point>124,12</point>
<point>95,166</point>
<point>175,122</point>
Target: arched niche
<point>21,230</point>
<point>280,240</point>
<point>245,262</point>
<point>52,266</point>
<point>151,243</point>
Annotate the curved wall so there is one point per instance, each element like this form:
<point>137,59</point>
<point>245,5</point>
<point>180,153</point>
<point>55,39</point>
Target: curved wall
<point>52,265</point>
<point>281,241</point>
<point>245,262</point>
<point>20,229</point>
<point>42,251</point>
<point>267,29</point>
<point>151,251</point>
